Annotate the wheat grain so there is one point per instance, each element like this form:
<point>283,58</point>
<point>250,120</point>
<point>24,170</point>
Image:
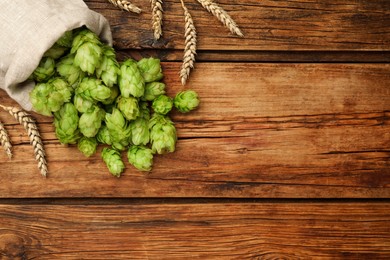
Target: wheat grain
<point>157,17</point>
<point>221,15</point>
<point>190,46</point>
<point>126,5</point>
<point>33,133</point>
<point>4,140</point>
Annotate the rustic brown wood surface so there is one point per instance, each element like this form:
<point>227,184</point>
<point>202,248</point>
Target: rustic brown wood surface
<point>298,109</point>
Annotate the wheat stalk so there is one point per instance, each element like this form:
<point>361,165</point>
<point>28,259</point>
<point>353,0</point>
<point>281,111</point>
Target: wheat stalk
<point>157,16</point>
<point>126,5</point>
<point>32,130</point>
<point>221,15</point>
<point>4,140</point>
<point>190,45</point>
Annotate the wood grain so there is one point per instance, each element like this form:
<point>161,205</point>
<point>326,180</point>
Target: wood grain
<point>267,25</point>
<point>182,231</point>
<point>262,130</point>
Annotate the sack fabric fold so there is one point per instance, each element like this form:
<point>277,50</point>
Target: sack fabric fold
<point>29,28</point>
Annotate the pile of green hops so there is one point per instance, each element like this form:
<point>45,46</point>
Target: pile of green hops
<point>97,100</point>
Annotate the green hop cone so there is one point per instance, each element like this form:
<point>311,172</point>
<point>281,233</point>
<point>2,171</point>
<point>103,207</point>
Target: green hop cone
<point>55,52</point>
<point>66,122</point>
<point>66,39</point>
<point>118,126</point>
<point>88,51</point>
<point>120,146</point>
<point>113,160</point>
<point>92,89</point>
<point>186,101</point>
<point>113,96</point>
<point>72,73</point>
<point>130,80</point>
<point>45,70</point>
<point>150,69</point>
<point>103,135</point>
<point>83,105</point>
<point>50,96</point>
<point>140,157</point>
<point>153,90</point>
<point>140,126</point>
<point>87,145</point>
<point>90,121</point>
<point>162,134</point>
<point>108,69</point>
<point>162,104</point>
<point>128,106</point>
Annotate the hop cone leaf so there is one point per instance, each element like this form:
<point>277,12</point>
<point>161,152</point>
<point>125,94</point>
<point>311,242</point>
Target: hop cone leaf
<point>103,135</point>
<point>153,90</point>
<point>130,80</point>
<point>108,69</point>
<point>113,96</point>
<point>88,51</point>
<point>140,157</point>
<point>120,146</point>
<point>82,105</point>
<point>72,73</point>
<point>186,101</point>
<point>92,89</point>
<point>113,160</point>
<point>45,70</point>
<point>66,39</point>
<point>162,104</point>
<point>140,126</point>
<point>150,69</point>
<point>117,126</point>
<point>90,121</point>
<point>129,107</point>
<point>162,134</point>
<point>87,145</point>
<point>55,52</point>
<point>66,122</point>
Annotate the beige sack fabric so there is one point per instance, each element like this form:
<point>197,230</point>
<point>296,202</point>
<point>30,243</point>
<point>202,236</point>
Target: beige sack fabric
<point>29,28</point>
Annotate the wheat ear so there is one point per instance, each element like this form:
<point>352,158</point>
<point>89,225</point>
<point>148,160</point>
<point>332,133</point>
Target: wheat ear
<point>126,5</point>
<point>221,15</point>
<point>4,140</point>
<point>33,133</point>
<point>190,46</point>
<point>157,17</point>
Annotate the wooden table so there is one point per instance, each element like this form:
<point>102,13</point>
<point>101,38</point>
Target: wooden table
<point>288,156</point>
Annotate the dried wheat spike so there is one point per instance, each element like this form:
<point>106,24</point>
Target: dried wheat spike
<point>221,15</point>
<point>126,5</point>
<point>33,133</point>
<point>4,140</point>
<point>190,46</point>
<point>157,16</point>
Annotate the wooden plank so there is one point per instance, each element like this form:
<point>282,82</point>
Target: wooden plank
<point>267,25</point>
<point>262,130</point>
<point>182,231</point>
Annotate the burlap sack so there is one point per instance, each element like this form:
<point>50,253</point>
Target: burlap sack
<point>29,28</point>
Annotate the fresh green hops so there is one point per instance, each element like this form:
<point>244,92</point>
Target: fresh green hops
<point>103,135</point>
<point>72,73</point>
<point>186,101</point>
<point>66,39</point>
<point>66,122</point>
<point>114,94</point>
<point>140,157</point>
<point>153,90</point>
<point>92,89</point>
<point>113,160</point>
<point>162,134</point>
<point>90,121</point>
<point>45,70</point>
<point>131,82</point>
<point>87,146</point>
<point>108,69</point>
<point>55,52</point>
<point>82,105</point>
<point>162,104</point>
<point>140,126</point>
<point>49,97</point>
<point>88,51</point>
<point>129,107</point>
<point>150,69</point>
<point>118,126</point>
